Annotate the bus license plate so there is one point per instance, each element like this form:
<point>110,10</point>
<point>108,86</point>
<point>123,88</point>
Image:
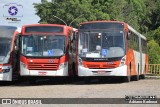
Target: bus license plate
<point>42,73</point>
<point>101,72</point>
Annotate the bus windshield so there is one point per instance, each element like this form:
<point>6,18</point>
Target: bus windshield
<point>6,34</point>
<point>5,46</point>
<point>43,45</point>
<point>101,44</point>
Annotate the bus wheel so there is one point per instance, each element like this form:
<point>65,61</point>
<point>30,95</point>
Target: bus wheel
<point>136,78</point>
<point>127,78</point>
<point>142,76</point>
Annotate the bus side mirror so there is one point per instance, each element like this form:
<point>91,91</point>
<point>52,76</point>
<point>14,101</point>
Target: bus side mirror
<point>128,35</point>
<point>76,35</point>
<point>16,43</point>
<point>69,38</point>
<point>16,48</point>
<point>74,38</point>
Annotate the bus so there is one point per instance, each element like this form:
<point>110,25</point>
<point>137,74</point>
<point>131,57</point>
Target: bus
<point>110,48</point>
<point>45,51</point>
<point>8,55</point>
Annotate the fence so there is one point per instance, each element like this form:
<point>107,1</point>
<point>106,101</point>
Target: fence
<point>154,69</point>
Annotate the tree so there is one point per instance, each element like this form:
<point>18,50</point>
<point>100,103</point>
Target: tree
<point>154,52</point>
<point>68,10</point>
<point>152,18</point>
<point>142,15</point>
<point>156,35</point>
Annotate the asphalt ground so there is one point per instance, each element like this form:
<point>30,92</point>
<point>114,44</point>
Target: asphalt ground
<point>61,88</point>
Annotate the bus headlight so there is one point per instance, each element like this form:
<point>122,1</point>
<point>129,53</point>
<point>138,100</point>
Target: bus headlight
<point>80,63</point>
<point>63,65</point>
<point>123,61</point>
<point>22,64</point>
<point>6,69</point>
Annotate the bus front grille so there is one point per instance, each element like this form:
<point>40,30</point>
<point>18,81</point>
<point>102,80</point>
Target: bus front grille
<point>42,66</point>
<point>109,66</point>
<point>100,66</point>
<point>91,66</point>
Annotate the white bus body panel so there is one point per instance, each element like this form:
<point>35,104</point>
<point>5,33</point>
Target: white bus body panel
<point>137,61</point>
<point>119,71</point>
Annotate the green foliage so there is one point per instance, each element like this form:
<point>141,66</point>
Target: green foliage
<point>154,52</point>
<point>142,15</point>
<point>156,35</point>
<point>68,10</point>
<point>153,14</point>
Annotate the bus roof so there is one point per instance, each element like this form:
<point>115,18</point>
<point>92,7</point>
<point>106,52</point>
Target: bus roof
<point>101,21</point>
<point>8,31</point>
<point>7,26</point>
<point>54,28</point>
<point>43,25</point>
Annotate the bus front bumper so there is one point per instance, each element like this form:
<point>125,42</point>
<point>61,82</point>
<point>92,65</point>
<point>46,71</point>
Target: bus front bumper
<point>6,75</point>
<point>60,72</point>
<point>119,71</point>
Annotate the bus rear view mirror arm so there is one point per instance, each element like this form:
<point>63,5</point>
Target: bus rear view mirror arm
<point>128,35</point>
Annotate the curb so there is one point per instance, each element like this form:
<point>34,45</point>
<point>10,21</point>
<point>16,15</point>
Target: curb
<point>152,77</point>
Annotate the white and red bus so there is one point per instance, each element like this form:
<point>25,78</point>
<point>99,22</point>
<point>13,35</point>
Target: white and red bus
<point>110,48</point>
<point>44,50</point>
<point>8,55</point>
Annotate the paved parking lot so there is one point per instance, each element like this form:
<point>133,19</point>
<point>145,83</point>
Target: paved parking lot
<point>106,89</point>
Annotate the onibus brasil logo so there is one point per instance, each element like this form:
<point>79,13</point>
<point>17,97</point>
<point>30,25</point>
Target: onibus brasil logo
<point>13,10</point>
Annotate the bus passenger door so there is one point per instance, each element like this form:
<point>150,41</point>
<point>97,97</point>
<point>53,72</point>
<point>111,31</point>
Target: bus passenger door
<point>15,59</point>
<point>69,53</point>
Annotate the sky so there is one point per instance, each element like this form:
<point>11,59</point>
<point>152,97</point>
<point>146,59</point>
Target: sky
<point>25,13</point>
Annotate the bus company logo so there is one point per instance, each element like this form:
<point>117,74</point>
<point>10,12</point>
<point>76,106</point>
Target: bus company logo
<point>110,63</point>
<point>50,60</point>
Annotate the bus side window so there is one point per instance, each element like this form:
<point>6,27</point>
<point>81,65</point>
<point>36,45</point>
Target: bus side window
<point>144,46</point>
<point>134,42</point>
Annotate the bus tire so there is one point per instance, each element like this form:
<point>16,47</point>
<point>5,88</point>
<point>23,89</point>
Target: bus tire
<point>128,77</point>
<point>136,78</point>
<point>143,76</point>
